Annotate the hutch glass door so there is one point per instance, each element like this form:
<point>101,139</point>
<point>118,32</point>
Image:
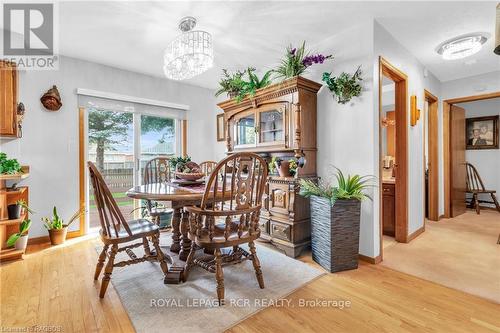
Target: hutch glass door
<point>245,130</point>
<point>272,128</point>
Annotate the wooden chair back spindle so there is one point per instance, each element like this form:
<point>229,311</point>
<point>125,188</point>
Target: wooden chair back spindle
<point>207,167</point>
<point>474,181</point>
<point>157,170</point>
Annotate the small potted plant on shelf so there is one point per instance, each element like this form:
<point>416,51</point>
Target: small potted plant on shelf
<point>345,86</point>
<point>335,219</point>
<point>286,168</point>
<point>17,209</point>
<point>297,60</point>
<point>56,227</point>
<point>9,166</point>
<point>20,239</point>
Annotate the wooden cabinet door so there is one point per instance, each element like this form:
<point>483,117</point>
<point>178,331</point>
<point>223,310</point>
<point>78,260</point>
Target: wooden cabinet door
<point>279,198</point>
<point>8,99</point>
<point>272,125</point>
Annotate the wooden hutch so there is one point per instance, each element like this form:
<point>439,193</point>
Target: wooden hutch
<point>279,121</point>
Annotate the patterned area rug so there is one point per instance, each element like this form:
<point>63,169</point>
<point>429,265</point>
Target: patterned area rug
<point>192,306</point>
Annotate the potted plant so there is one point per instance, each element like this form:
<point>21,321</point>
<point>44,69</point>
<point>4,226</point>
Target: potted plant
<point>286,168</point>
<point>9,166</point>
<point>335,219</point>
<point>231,83</point>
<point>20,239</point>
<point>17,209</point>
<point>250,87</point>
<point>297,60</point>
<point>345,86</point>
<point>56,227</point>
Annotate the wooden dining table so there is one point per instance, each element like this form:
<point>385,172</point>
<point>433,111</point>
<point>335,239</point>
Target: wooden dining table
<point>180,197</point>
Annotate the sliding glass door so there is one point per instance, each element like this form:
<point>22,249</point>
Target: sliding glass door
<point>120,143</point>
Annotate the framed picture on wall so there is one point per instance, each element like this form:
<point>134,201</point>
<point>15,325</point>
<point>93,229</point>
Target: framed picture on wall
<point>482,132</point>
<point>221,134</point>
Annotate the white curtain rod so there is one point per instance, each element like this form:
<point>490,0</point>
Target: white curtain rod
<point>132,99</point>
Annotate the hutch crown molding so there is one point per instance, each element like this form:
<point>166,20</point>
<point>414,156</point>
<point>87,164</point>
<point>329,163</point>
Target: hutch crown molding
<point>279,121</point>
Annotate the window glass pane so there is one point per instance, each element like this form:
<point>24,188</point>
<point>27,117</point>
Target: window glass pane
<point>246,130</point>
<point>111,148</point>
<point>157,138</point>
<point>271,126</point>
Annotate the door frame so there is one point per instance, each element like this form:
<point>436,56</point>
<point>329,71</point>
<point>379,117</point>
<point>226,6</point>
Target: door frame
<point>432,197</point>
<point>447,142</point>
<point>401,115</point>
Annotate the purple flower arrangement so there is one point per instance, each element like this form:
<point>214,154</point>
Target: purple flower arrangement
<point>297,60</point>
<point>315,59</point>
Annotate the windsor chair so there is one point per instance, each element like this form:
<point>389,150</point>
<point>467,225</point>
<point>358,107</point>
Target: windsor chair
<point>475,186</point>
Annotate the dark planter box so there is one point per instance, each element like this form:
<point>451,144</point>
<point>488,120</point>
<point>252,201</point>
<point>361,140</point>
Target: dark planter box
<point>14,211</point>
<point>335,233</point>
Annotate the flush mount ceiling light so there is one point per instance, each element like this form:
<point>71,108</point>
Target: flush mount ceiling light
<point>190,54</point>
<point>461,47</point>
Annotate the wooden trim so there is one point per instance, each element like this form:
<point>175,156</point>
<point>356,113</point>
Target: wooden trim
<point>473,98</point>
<point>38,240</point>
<point>81,170</point>
<point>401,116</point>
<point>416,233</point>
<point>184,151</point>
<point>433,156</point>
<point>446,142</point>
<point>371,260</point>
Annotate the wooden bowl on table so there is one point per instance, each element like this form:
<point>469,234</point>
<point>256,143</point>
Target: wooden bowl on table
<point>190,175</point>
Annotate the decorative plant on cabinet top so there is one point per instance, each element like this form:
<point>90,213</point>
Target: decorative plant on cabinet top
<point>345,86</point>
<point>297,60</point>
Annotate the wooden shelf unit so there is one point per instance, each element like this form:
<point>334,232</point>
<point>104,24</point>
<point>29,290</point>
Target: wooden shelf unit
<point>8,227</point>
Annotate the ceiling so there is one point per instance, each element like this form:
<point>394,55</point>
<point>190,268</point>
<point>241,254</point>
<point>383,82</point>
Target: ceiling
<point>133,35</point>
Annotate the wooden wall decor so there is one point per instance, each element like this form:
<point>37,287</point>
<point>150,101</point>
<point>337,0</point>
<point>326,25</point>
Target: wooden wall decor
<point>279,121</point>
<point>414,111</point>
<point>51,100</point>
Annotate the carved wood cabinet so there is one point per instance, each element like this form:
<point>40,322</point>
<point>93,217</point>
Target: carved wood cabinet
<point>279,121</point>
<point>8,100</point>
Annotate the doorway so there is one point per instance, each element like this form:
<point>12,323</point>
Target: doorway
<point>393,157</point>
<point>454,143</point>
<point>431,171</point>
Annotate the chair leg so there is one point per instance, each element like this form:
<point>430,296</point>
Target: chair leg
<point>145,244</point>
<point>100,262</point>
<point>189,262</point>
<point>160,256</point>
<point>493,196</point>
<point>476,203</point>
<point>108,270</point>
<point>219,276</point>
<point>256,265</point>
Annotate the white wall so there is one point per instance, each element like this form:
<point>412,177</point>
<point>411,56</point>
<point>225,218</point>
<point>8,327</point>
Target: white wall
<point>387,46</point>
<point>470,86</point>
<point>50,139</point>
<point>486,161</point>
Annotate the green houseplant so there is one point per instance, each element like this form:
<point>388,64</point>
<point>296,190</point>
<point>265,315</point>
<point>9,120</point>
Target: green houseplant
<point>345,86</point>
<point>15,210</point>
<point>56,226</point>
<point>20,239</point>
<point>9,166</point>
<point>231,83</point>
<point>335,219</point>
<point>254,83</point>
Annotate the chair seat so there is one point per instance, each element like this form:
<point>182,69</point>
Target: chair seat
<point>139,228</point>
<point>219,240</point>
<point>481,191</point>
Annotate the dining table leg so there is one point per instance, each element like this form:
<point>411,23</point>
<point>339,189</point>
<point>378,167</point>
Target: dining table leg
<point>185,241</point>
<point>176,233</point>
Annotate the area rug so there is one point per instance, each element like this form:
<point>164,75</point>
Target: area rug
<point>192,306</point>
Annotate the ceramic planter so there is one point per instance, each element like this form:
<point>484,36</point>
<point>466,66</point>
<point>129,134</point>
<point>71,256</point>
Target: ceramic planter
<point>283,168</point>
<point>14,211</point>
<point>335,233</point>
<point>21,243</point>
<point>58,236</point>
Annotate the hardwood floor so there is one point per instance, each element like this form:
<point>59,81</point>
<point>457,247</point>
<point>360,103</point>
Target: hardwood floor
<point>54,286</point>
